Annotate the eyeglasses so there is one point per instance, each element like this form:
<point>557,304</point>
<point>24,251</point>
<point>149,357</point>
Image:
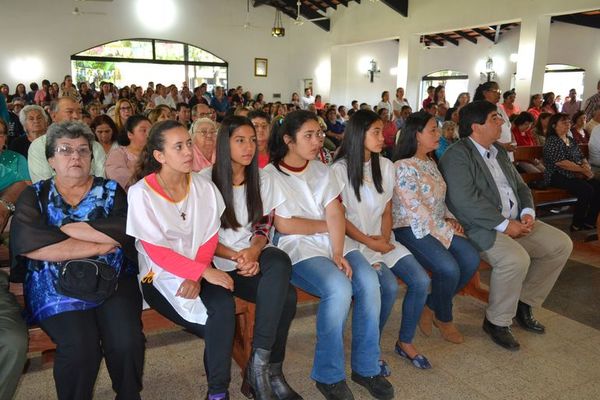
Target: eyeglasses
<point>261,126</point>
<point>67,151</point>
<point>207,133</point>
<point>126,108</point>
<point>204,115</point>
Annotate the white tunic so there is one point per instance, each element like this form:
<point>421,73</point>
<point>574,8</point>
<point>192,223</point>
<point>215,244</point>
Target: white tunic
<point>366,215</point>
<point>238,239</point>
<point>307,194</point>
<point>153,219</point>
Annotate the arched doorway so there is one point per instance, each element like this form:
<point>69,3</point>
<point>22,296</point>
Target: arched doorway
<point>455,83</point>
<point>138,61</point>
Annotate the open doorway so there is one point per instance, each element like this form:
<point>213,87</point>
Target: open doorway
<point>455,83</point>
<point>560,78</point>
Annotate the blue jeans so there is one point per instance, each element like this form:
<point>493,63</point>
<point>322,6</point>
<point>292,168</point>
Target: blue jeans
<point>451,269</point>
<point>321,277</point>
<point>417,286</point>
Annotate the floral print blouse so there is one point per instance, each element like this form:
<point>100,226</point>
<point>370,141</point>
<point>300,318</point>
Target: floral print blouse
<point>419,200</point>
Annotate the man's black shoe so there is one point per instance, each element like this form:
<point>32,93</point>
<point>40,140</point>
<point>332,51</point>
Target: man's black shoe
<point>335,391</point>
<point>377,385</point>
<point>526,320</point>
<point>501,335</point>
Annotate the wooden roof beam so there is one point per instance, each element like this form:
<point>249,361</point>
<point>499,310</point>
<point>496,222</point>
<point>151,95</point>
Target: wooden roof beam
<point>434,40</point>
<point>448,38</point>
<point>467,36</point>
<point>483,33</point>
<point>400,6</point>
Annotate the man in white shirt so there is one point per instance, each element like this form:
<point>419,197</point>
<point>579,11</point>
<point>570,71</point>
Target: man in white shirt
<point>307,99</point>
<point>594,148</point>
<point>63,109</point>
<point>571,104</point>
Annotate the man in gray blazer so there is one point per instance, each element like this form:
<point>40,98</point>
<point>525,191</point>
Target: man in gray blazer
<point>495,207</point>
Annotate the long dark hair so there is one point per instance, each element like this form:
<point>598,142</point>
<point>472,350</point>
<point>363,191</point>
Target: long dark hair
<point>222,175</point>
<point>288,126</point>
<point>407,144</point>
<point>105,119</point>
<point>130,125</point>
<point>353,151</point>
<point>554,119</point>
<point>479,96</point>
<point>147,164</point>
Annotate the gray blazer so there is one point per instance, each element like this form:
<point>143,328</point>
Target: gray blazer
<point>473,196</point>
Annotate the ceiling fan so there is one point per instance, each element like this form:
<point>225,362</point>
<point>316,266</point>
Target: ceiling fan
<point>77,12</point>
<point>300,20</point>
<point>247,24</point>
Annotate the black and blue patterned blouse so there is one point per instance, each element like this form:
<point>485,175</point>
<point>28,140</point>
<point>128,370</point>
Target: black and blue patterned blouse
<point>104,207</point>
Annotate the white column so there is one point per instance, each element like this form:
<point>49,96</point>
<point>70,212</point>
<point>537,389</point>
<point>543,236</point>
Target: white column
<point>533,56</point>
<point>409,61</point>
<point>339,76</point>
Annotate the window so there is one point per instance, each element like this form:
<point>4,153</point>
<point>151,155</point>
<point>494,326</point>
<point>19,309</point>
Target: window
<point>455,82</point>
<point>138,61</point>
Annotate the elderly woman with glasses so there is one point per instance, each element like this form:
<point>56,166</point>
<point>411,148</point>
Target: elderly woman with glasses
<point>69,225</point>
<point>204,139</point>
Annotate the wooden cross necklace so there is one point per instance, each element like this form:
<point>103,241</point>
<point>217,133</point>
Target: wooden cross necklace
<point>181,210</point>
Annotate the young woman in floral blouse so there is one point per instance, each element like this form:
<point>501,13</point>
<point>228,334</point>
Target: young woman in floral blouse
<point>423,223</point>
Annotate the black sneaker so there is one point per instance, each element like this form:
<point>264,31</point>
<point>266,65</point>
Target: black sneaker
<point>335,391</point>
<point>377,385</point>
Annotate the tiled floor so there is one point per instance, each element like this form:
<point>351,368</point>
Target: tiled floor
<point>562,364</point>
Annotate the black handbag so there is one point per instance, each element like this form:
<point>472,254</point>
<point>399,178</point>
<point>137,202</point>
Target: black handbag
<point>87,279</point>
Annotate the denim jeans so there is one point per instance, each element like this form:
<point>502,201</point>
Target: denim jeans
<point>451,269</point>
<point>321,277</point>
<point>417,286</point>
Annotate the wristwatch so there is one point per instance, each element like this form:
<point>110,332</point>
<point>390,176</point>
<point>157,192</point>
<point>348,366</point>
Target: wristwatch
<point>9,206</point>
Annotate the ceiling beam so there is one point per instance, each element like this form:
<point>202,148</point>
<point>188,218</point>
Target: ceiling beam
<point>434,40</point>
<point>591,21</point>
<point>344,2</point>
<point>448,38</point>
<point>400,6</point>
<point>467,36</point>
<point>316,3</point>
<point>305,12</point>
<point>330,4</point>
<point>483,33</point>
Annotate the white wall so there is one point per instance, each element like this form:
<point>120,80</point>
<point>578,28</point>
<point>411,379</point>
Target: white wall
<point>352,63</point>
<point>44,34</point>
<point>578,46</point>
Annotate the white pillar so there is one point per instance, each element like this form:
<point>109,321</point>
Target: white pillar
<point>339,76</point>
<point>533,56</point>
<point>409,61</point>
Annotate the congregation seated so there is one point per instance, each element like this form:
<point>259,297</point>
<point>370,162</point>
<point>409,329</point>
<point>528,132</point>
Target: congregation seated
<point>578,131</point>
<point>330,192</point>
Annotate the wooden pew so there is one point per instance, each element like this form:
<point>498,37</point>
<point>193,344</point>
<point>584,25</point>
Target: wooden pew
<point>153,322</point>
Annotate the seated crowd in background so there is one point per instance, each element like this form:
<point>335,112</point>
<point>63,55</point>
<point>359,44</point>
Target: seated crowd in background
<point>265,166</point>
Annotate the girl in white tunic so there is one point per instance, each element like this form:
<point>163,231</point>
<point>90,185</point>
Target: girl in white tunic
<point>368,185</point>
<point>325,263</point>
<point>260,272</point>
<point>174,215</point>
